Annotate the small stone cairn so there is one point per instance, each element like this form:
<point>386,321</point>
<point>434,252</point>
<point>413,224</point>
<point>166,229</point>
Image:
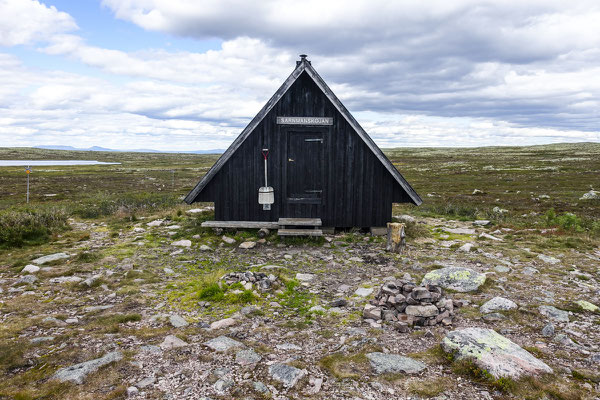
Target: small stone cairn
<point>404,304</point>
<point>249,279</point>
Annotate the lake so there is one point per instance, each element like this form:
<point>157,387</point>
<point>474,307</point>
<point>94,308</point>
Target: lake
<point>33,163</point>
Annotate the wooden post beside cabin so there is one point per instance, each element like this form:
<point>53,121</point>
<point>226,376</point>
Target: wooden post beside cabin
<point>323,168</point>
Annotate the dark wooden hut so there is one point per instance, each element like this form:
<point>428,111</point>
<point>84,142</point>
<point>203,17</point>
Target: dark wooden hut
<point>323,167</point>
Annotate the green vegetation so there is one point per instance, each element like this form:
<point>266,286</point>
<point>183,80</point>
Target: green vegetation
<point>21,226</point>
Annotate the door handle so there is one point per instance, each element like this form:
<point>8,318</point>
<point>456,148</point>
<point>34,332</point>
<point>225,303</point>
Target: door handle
<point>291,160</point>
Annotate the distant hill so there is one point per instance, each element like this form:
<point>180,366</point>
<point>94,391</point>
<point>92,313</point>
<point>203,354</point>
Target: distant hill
<point>98,148</point>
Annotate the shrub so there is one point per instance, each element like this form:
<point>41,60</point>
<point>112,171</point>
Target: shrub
<point>125,205</point>
<point>566,221</point>
<point>29,225</point>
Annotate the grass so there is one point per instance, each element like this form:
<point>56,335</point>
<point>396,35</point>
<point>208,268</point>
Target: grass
<point>114,199</point>
<point>429,387</point>
<point>343,366</point>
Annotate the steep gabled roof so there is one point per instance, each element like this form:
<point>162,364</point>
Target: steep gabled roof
<point>303,66</point>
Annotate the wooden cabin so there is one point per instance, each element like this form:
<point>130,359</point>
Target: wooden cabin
<point>323,168</point>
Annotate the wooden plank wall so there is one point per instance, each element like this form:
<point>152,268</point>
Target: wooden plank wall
<point>358,191</point>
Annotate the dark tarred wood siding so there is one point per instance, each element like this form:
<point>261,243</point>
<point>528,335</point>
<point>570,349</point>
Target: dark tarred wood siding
<point>358,191</point>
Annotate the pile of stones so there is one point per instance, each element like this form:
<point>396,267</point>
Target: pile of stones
<point>405,304</point>
<point>249,279</point>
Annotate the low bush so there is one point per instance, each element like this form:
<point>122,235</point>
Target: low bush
<point>23,226</point>
<point>570,222</point>
<point>125,205</point>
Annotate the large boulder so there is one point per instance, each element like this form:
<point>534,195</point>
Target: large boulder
<point>459,279</point>
<point>493,353</point>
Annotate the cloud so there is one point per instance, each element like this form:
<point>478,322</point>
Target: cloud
<point>26,22</point>
<point>414,73</point>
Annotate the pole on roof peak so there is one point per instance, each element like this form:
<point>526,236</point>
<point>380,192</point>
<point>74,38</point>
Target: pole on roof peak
<point>302,59</point>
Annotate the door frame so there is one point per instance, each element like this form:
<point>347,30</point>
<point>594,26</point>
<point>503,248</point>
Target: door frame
<point>325,131</point>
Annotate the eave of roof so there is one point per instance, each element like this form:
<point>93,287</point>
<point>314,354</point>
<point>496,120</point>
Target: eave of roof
<point>302,66</point>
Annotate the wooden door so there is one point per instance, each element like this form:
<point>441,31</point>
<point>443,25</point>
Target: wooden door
<point>305,169</point>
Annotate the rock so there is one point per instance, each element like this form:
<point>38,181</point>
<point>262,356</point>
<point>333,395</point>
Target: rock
<point>247,357</point>
<point>178,321</point>
<point>460,231</point>
<point>30,269</point>
<point>548,259</point>
<point>467,247</point>
<point>41,339</point>
<point>406,218</point>
<point>72,320</point>
<point>92,309</point>
<point>286,374</point>
<point>564,340</point>
<point>501,268</point>
<point>554,313</point>
<point>247,245</point>
<point>260,387</point>
<point>498,210</point>
<point>223,343</point>
<point>168,271</point>
<point>132,391</point>
<point>89,282</point>
<point>317,309</point>
<point>497,304</point>
<point>338,303</point>
<point>228,240</point>
<point>144,383</point>
<point>196,210</point>
<point>493,317</point>
<point>55,321</point>
<point>548,330</point>
<point>249,311</point>
<point>591,195</point>
<point>459,279</point>
<point>223,323</point>
<point>488,236</point>
<point>66,279</point>
<point>77,373</point>
<point>372,312</point>
<point>223,384</point>
<point>26,280</point>
<point>587,306</point>
<point>304,277</point>
<point>138,230</point>
<point>154,223</point>
<point>481,222</point>
<point>50,258</point>
<point>422,311</point>
<point>182,243</point>
<point>288,346</point>
<point>172,342</point>
<point>355,259</point>
<point>205,248</point>
<point>530,271</point>
<point>393,363</point>
<point>493,353</point>
<point>151,349</point>
<point>363,292</point>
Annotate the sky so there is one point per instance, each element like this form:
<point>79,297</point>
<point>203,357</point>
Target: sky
<point>181,75</point>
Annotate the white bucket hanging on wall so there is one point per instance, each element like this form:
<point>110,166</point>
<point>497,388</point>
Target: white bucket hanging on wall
<point>266,195</point>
